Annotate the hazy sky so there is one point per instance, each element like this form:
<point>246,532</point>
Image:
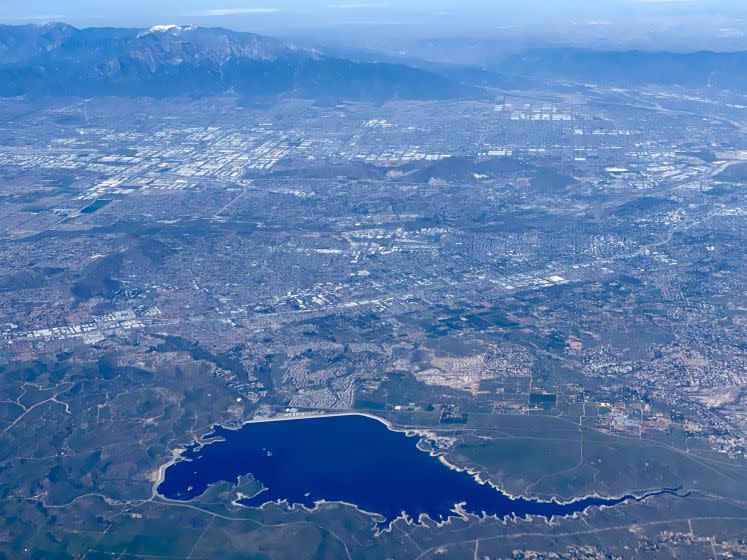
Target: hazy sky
<point>694,23</point>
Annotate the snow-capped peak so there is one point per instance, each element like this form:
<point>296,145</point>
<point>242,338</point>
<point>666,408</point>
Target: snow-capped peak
<point>171,28</point>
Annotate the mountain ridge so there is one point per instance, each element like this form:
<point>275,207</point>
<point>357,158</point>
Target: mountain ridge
<point>170,60</point>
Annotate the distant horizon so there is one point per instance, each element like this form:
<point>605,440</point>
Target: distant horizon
<point>518,46</point>
<point>675,25</point>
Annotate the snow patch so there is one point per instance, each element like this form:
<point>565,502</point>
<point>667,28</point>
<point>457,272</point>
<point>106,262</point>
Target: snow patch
<point>174,29</point>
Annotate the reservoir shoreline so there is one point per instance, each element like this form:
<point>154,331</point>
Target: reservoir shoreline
<point>455,510</point>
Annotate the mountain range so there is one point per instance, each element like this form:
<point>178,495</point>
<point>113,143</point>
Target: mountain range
<point>169,60</point>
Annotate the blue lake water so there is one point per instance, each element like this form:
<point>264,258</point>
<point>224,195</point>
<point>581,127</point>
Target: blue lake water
<point>350,458</point>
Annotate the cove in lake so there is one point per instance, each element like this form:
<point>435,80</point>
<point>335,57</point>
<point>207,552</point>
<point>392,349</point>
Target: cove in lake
<point>347,458</point>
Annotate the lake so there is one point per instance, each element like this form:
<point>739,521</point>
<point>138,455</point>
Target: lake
<point>350,458</point>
